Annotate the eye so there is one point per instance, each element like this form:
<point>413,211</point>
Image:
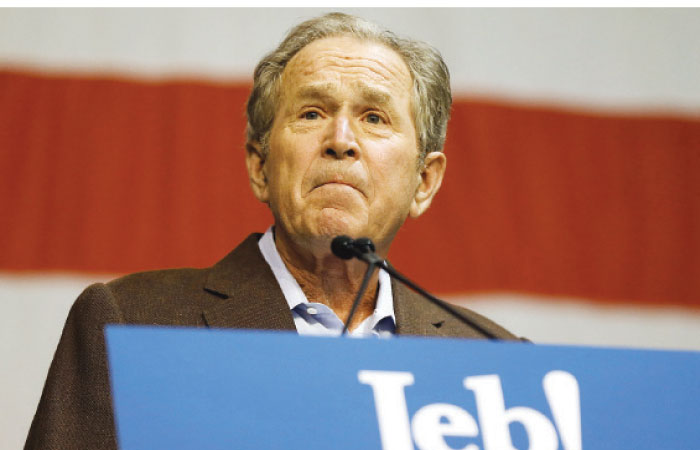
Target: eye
<point>374,118</point>
<point>311,115</point>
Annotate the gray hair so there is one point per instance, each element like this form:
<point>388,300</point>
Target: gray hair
<point>432,97</point>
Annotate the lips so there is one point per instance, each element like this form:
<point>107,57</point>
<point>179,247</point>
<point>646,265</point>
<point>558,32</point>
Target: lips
<point>339,183</point>
<point>342,183</point>
<point>329,175</point>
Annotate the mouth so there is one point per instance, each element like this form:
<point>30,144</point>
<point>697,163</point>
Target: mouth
<point>341,183</point>
<point>338,180</point>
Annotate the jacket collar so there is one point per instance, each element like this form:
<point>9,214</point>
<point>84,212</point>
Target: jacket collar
<point>251,298</point>
<point>250,295</point>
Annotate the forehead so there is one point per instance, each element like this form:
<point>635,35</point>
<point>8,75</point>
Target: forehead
<point>364,65</point>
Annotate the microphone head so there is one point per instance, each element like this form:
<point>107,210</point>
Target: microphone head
<point>365,245</point>
<point>341,246</point>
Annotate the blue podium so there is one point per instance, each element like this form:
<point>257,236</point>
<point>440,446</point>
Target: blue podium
<point>179,388</point>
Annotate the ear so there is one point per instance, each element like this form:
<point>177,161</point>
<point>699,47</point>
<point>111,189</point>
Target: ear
<point>431,175</point>
<point>255,163</point>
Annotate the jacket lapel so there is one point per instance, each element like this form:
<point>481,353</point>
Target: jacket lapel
<point>414,315</point>
<point>417,316</point>
<point>249,296</point>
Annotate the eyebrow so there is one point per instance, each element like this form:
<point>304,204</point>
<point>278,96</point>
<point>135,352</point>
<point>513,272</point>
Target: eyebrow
<point>324,91</point>
<point>315,91</point>
<point>373,95</point>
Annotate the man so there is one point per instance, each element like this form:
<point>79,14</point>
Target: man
<point>346,124</point>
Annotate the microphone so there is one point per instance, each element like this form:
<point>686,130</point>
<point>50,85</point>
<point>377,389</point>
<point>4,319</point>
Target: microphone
<point>342,247</point>
<point>346,247</point>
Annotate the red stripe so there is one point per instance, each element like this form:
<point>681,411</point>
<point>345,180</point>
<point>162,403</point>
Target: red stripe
<point>109,175</point>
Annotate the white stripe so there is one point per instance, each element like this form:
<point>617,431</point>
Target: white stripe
<point>562,320</point>
<point>34,309</point>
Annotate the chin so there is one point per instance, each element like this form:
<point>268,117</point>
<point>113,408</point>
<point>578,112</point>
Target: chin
<point>330,230</point>
<point>333,223</point>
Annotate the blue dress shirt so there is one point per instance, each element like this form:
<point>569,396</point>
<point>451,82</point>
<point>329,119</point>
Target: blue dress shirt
<point>318,319</point>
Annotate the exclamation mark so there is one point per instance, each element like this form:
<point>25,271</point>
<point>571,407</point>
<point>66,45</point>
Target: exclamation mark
<point>561,390</point>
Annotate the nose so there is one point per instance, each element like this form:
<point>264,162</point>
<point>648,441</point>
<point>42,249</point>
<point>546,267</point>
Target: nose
<point>341,141</point>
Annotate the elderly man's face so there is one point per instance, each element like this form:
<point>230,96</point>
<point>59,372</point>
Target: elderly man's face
<point>343,149</point>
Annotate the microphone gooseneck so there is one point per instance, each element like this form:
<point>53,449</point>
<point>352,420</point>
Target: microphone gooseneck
<point>358,297</point>
<point>345,247</point>
<point>363,248</point>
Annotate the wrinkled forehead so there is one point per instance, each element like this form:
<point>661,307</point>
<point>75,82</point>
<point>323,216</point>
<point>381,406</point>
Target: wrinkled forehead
<point>373,69</point>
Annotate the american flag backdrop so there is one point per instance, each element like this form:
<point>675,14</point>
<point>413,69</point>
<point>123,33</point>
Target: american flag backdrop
<point>570,212</point>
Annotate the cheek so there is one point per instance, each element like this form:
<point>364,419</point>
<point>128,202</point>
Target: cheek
<point>289,163</point>
<point>397,170</point>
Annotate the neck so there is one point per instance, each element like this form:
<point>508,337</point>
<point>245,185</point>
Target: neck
<point>327,279</point>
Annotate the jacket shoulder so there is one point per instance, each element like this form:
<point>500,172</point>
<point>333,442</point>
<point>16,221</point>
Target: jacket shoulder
<point>160,297</point>
<point>156,281</point>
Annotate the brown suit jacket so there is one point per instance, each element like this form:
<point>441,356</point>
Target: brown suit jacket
<point>240,291</point>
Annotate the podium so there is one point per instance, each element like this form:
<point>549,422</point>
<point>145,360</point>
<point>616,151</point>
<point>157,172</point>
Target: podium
<point>181,388</point>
